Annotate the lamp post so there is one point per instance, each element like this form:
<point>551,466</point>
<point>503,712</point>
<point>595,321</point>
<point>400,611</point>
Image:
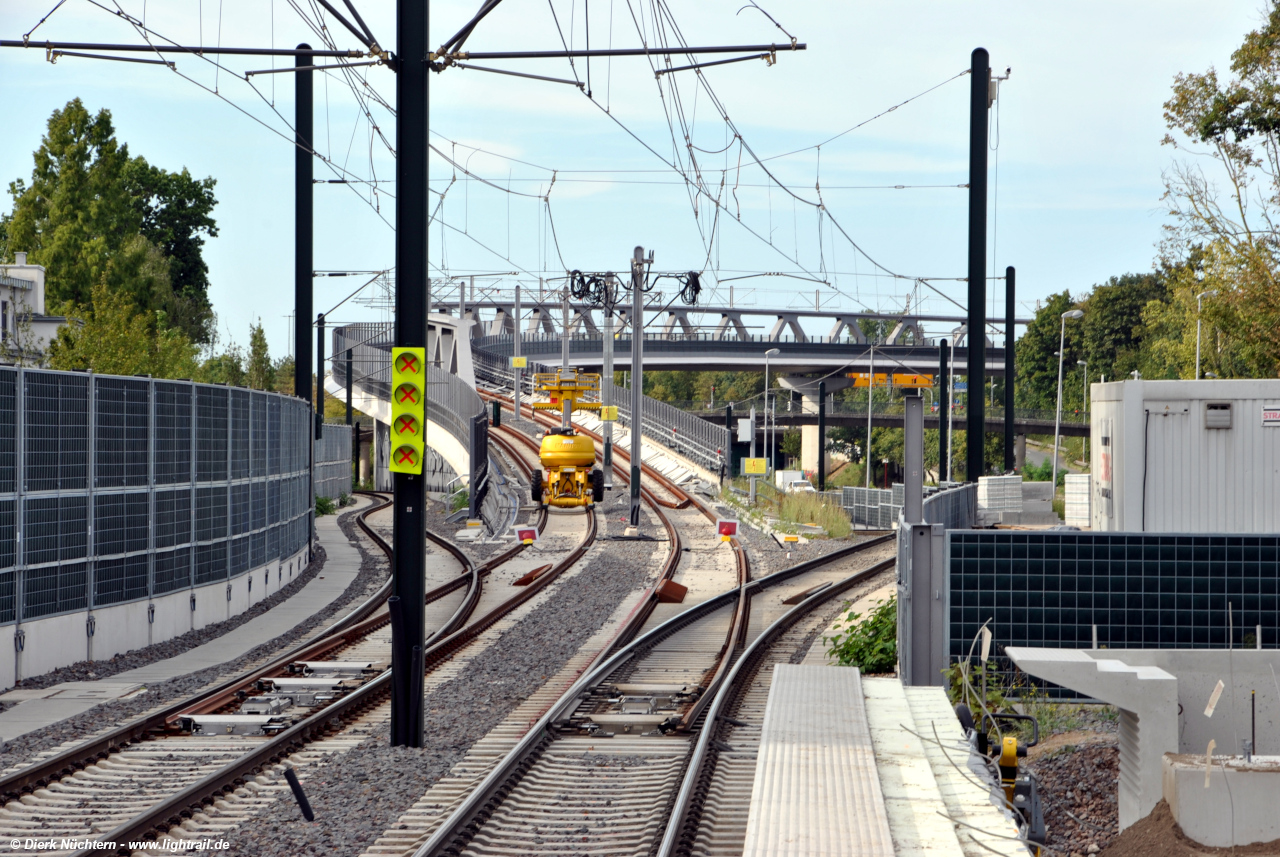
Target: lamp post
<point>1199,299</point>
<point>871,386</point>
<point>1084,397</point>
<point>768,438</point>
<point>1057,421</point>
<point>951,395</point>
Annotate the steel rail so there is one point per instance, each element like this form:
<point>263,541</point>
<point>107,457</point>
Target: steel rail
<point>453,835</point>
<point>697,779</point>
<point>76,758</point>
<point>440,647</point>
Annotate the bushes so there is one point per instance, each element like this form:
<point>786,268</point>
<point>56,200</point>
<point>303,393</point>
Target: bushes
<point>324,506</point>
<point>870,644</point>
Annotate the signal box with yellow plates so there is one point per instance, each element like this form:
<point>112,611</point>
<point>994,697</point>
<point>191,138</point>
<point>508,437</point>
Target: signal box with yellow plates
<point>570,479</point>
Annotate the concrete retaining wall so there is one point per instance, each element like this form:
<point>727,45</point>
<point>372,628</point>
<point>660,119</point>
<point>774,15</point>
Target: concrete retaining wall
<point>60,641</point>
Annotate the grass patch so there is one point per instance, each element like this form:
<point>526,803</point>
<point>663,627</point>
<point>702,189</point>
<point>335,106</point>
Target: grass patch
<point>459,500</point>
<point>325,506</point>
<point>813,509</point>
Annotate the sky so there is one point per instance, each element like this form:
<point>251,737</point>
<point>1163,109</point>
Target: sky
<point>533,178</point>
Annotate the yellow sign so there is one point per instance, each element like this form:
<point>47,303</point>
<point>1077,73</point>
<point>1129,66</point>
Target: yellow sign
<point>895,380</point>
<point>609,413</point>
<point>519,362</point>
<point>408,409</point>
<point>754,466</point>
<point>860,379</point>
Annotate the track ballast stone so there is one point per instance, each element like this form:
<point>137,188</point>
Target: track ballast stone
<point>362,792</point>
<point>373,571</point>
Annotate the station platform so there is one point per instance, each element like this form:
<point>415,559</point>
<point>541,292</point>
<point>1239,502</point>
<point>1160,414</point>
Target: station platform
<point>37,708</point>
<point>850,765</point>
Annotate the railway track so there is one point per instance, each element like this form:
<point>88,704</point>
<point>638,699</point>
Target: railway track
<point>201,764</point>
<point>601,771</point>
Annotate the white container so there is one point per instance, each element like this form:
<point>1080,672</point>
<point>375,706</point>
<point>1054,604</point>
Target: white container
<point>1186,456</point>
<point>781,478</point>
<point>1000,493</point>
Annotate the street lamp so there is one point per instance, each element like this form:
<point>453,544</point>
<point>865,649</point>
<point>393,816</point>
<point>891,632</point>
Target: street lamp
<point>1084,398</point>
<point>1199,298</point>
<point>767,436</point>
<point>871,386</point>
<point>951,393</point>
<point>1057,421</point>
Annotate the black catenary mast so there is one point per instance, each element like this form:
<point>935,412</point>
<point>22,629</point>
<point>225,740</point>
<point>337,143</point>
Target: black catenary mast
<point>979,85</point>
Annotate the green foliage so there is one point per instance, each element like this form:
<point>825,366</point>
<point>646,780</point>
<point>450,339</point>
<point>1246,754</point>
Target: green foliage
<point>459,500</point>
<point>260,373</point>
<point>325,506</point>
<point>871,643</point>
<point>972,682</point>
<point>809,508</point>
<point>92,215</point>
<point>790,443</point>
<point>114,338</point>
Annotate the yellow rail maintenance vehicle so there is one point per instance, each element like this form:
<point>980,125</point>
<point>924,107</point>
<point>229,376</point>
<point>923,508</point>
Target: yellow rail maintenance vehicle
<point>569,478</point>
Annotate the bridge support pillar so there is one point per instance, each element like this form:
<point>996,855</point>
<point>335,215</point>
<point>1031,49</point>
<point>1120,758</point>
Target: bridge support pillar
<point>810,390</point>
<point>1019,451</point>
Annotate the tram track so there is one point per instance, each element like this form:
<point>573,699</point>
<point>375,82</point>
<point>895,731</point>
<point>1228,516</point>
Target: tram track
<point>146,777</point>
<point>602,770</point>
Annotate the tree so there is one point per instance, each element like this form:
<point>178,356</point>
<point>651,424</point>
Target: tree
<point>1037,367</point>
<point>90,211</point>
<point>1239,122</point>
<point>76,213</point>
<point>260,373</point>
<point>1113,330</point>
<point>284,375</point>
<point>111,337</point>
<point>176,213</point>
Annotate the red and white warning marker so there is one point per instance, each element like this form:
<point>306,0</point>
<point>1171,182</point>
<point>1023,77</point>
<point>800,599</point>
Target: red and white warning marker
<point>526,535</point>
<point>727,528</point>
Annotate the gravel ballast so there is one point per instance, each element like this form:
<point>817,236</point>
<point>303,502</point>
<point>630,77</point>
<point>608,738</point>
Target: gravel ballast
<point>373,571</point>
<point>364,791</point>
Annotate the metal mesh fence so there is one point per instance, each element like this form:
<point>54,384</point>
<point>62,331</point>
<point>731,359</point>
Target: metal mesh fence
<point>334,474</point>
<point>119,489</point>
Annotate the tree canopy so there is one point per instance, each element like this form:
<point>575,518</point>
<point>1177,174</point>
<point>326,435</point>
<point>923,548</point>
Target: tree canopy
<point>91,213</point>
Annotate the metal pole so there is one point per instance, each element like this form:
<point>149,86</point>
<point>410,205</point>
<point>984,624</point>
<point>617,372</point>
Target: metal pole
<point>637,380</point>
<point>515,350</point>
<point>980,80</point>
<point>768,457</point>
<point>1057,414</point>
<point>411,302</point>
<point>822,435</point>
<point>728,440</point>
<point>606,387</point>
<point>349,388</point>
<point>913,423</point>
<point>1009,376</point>
<point>951,397</point>
<point>303,218</point>
<point>944,410</point>
<point>871,386</point>
<point>753,453</point>
<point>1199,297</point>
<point>564,332</point>
<point>1084,395</point>
<point>319,375</point>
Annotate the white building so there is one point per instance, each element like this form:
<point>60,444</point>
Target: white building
<point>1186,456</point>
<point>25,330</point>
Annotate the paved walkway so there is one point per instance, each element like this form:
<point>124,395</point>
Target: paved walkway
<point>38,708</point>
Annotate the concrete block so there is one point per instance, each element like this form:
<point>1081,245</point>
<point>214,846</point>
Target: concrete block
<point>54,642</point>
<point>119,628</point>
<point>8,657</point>
<point>211,604</point>
<point>1147,697</point>
<point>1237,808</point>
<point>173,615</point>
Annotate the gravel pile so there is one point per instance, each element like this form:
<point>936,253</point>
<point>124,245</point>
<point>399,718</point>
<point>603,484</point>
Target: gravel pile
<point>1078,787</point>
<point>373,571</point>
<point>364,791</point>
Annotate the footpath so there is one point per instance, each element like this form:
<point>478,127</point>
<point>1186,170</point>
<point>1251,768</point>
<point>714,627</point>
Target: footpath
<point>38,708</point>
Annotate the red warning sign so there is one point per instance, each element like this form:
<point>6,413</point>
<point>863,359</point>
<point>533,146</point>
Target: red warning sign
<point>408,363</point>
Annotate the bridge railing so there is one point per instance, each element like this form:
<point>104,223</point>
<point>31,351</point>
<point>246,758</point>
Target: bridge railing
<point>451,402</point>
<point>589,343</point>
<point>699,440</point>
<point>845,408</point>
